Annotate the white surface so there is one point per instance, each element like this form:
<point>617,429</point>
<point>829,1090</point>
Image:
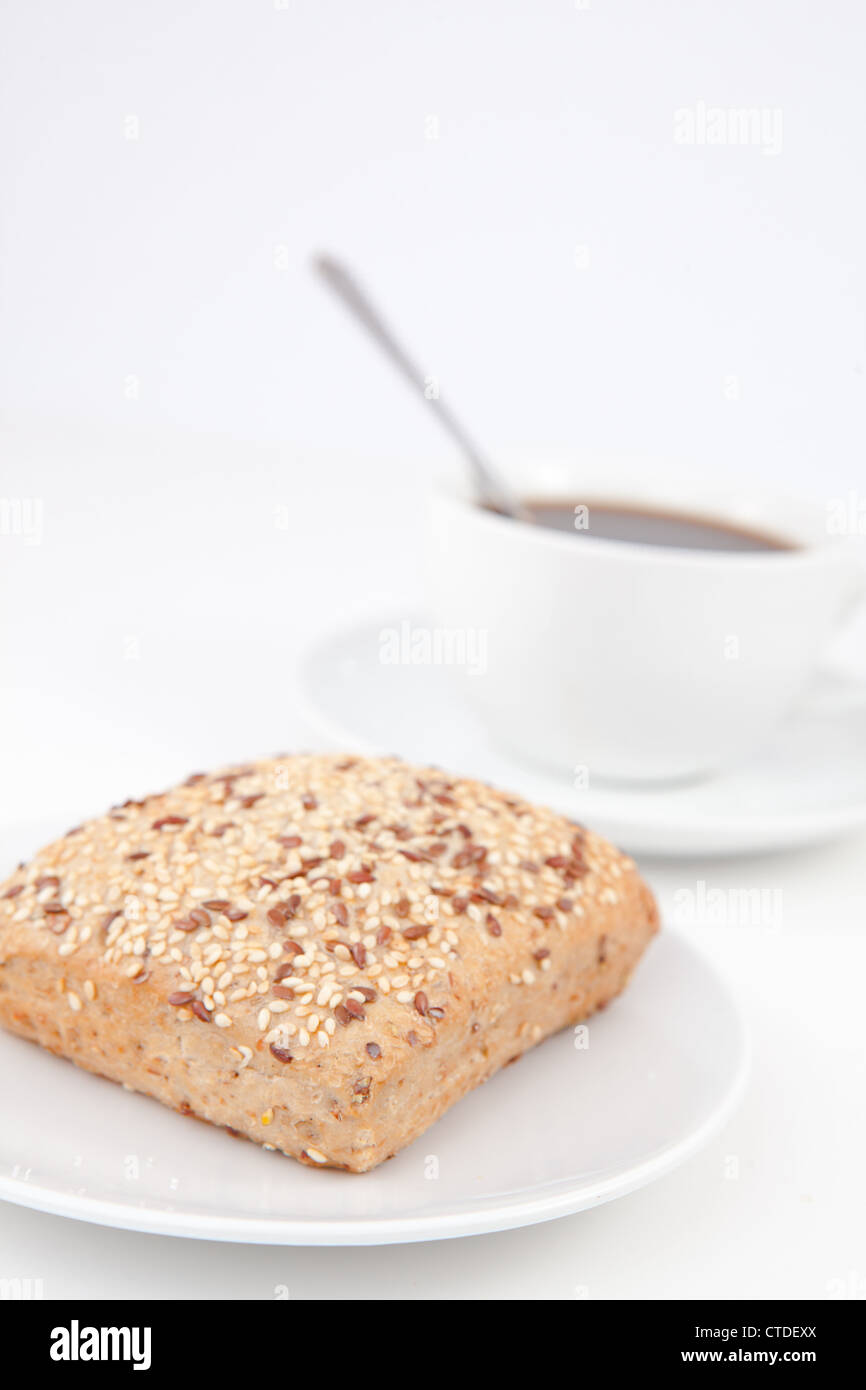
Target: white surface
<point>770,1208</point>
<point>576,278</point>
<point>654,1078</point>
<point>806,785</point>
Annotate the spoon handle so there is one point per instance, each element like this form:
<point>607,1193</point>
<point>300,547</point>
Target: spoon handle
<point>490,489</point>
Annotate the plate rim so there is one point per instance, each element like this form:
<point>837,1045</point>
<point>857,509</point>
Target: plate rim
<point>501,1213</point>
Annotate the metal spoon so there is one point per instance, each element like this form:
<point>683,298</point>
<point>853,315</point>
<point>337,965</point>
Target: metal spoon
<point>492,492</point>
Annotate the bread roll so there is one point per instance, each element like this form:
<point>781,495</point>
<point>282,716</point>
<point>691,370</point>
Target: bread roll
<point>322,953</point>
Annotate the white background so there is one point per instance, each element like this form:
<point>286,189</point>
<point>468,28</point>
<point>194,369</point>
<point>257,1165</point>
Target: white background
<point>226,467</point>
<point>265,132</point>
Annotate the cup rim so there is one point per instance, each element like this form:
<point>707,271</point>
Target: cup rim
<point>808,549</point>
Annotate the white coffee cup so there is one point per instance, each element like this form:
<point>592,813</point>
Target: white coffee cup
<point>636,662</point>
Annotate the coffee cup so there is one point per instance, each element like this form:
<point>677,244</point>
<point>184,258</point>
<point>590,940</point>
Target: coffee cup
<point>638,662</point>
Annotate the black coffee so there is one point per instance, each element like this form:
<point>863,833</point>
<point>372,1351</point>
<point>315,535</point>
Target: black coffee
<point>606,521</point>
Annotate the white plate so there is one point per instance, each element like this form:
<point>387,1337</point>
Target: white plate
<point>563,1129</point>
<point>807,785</point>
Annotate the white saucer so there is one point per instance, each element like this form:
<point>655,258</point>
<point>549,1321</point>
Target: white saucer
<point>561,1130</point>
<point>808,785</point>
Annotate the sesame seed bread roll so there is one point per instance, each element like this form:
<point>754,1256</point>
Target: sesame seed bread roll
<point>322,953</point>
